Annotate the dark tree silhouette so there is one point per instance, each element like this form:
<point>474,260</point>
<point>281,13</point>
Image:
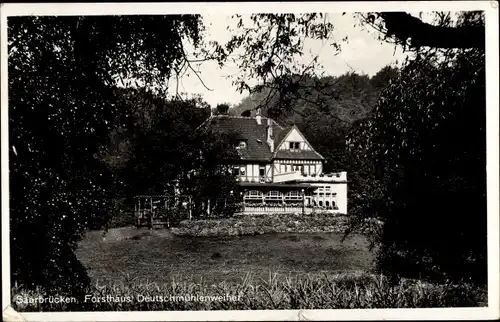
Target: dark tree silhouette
<point>246,113</point>
<point>222,109</point>
<point>408,29</point>
<point>62,75</point>
<point>425,147</point>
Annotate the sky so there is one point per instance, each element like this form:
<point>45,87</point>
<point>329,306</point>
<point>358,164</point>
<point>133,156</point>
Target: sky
<point>363,53</point>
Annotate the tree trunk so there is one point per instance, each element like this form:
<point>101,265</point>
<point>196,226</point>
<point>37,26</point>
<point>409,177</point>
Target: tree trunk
<point>404,26</point>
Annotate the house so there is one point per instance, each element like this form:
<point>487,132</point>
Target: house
<point>279,170</point>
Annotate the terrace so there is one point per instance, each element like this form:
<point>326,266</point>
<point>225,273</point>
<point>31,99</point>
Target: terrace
<point>298,176</point>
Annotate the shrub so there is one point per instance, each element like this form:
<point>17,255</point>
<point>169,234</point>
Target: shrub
<point>262,223</point>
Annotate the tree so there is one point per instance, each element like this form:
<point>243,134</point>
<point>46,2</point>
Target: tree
<point>166,150</point>
<point>173,151</point>
<point>246,113</point>
<point>427,143</point>
<point>345,98</point>
<point>211,182</point>
<point>267,47</point>
<point>384,77</point>
<point>267,50</point>
<point>404,29</point>
<point>62,75</point>
<point>222,109</point>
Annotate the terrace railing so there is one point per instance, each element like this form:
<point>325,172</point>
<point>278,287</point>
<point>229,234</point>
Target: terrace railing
<point>270,208</point>
<point>299,176</point>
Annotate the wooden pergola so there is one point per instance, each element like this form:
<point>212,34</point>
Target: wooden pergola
<point>147,208</point>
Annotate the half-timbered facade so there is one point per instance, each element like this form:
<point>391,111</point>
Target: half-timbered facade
<point>279,170</point>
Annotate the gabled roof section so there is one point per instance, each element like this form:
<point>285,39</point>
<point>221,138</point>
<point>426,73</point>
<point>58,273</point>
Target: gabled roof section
<point>255,136</point>
<point>300,155</point>
<point>248,129</point>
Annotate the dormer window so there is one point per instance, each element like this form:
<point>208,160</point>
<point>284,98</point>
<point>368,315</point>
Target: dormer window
<point>294,146</point>
<point>242,145</point>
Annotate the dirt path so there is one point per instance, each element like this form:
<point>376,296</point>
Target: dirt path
<point>131,233</point>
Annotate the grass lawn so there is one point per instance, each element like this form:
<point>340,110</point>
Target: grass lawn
<point>142,270</point>
<point>158,256</point>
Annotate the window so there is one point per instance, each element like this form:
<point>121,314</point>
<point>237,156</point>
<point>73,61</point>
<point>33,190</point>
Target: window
<point>262,174</point>
<point>274,195</point>
<point>327,188</point>
<point>294,146</point>
<point>320,203</point>
<point>293,195</point>
<point>298,167</point>
<point>253,194</point>
<point>327,203</point>
<point>240,171</point>
<point>242,145</point>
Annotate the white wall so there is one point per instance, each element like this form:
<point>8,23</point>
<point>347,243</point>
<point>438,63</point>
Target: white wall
<point>286,166</point>
<point>319,168</point>
<point>338,195</point>
<point>313,167</point>
<point>252,171</point>
<point>269,171</point>
<point>342,200</point>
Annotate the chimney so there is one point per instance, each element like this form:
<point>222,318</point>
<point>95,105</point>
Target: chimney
<point>258,118</point>
<point>270,138</point>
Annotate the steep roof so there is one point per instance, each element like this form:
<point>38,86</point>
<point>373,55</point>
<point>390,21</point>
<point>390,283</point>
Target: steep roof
<point>301,155</point>
<point>248,129</point>
<point>255,136</point>
<point>298,155</point>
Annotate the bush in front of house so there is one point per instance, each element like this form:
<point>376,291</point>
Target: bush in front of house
<point>262,224</point>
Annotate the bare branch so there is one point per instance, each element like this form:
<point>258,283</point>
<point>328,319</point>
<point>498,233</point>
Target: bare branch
<point>188,63</point>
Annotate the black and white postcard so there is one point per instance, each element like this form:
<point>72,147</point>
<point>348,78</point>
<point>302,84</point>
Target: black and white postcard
<point>250,161</point>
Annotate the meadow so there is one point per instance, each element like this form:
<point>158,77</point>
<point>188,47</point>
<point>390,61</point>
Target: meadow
<point>159,256</point>
<point>139,269</point>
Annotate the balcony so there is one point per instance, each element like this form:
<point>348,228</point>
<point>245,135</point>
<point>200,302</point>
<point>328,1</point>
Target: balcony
<point>297,176</point>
